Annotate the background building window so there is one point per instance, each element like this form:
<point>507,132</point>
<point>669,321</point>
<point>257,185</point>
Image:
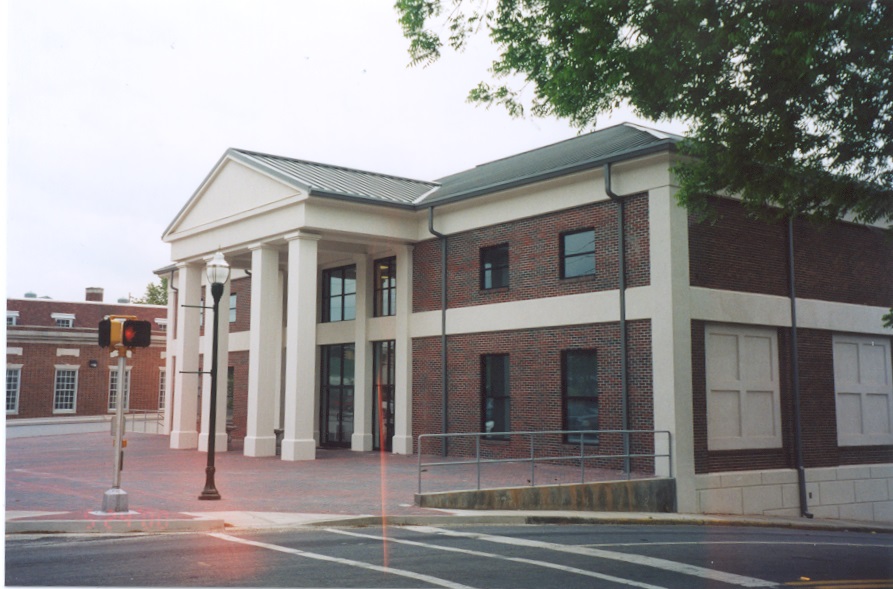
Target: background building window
<point>864,391</point>
<point>743,400</point>
<point>65,390</point>
<point>13,386</point>
<point>495,399</point>
<point>232,308</point>
<point>495,266</point>
<point>579,387</point>
<point>385,287</point>
<point>113,389</point>
<point>63,319</point>
<point>12,318</point>
<point>339,297</point>
<point>578,253</point>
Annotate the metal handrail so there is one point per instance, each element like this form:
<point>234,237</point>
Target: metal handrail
<point>532,435</point>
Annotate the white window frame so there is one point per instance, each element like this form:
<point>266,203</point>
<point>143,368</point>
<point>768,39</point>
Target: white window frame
<point>745,385</point>
<point>881,391</point>
<point>162,385</point>
<point>17,370</point>
<point>12,318</point>
<point>74,400</point>
<point>63,319</point>
<point>113,392</point>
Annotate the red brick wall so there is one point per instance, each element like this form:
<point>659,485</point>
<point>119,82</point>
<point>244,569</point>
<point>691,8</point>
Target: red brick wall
<point>535,380</point>
<point>839,262</point>
<point>239,362</point>
<point>534,255</point>
<point>817,409</point>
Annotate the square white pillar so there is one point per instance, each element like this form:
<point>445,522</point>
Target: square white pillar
<point>184,409</point>
<point>402,443</point>
<point>298,441</point>
<point>265,351</point>
<point>361,440</point>
<point>222,370</point>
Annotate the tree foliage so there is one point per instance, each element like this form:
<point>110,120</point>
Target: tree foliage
<point>156,293</point>
<point>789,104</point>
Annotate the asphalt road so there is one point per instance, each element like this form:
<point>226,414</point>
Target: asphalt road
<point>461,556</point>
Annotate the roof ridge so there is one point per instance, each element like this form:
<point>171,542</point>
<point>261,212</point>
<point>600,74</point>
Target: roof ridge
<point>251,153</point>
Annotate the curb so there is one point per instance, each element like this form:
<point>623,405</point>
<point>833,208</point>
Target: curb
<point>113,526</point>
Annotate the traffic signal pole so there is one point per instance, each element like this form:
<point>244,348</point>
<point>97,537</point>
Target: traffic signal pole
<point>115,499</point>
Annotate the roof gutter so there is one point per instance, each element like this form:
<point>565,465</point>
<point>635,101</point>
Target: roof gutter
<point>444,377</point>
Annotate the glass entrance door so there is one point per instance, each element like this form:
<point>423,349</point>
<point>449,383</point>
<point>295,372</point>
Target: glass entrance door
<point>383,405</point>
<point>337,390</point>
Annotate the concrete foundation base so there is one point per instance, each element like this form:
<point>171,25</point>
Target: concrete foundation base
<point>115,501</point>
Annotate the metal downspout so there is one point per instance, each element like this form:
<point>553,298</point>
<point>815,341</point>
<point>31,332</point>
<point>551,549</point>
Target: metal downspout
<point>795,378</point>
<point>444,379</point>
<point>621,285</point>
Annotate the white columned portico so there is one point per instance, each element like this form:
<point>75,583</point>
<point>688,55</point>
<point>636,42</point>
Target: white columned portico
<point>402,442</point>
<point>222,319</point>
<point>265,351</point>
<point>671,341</point>
<point>361,440</point>
<point>298,441</point>
<point>184,434</point>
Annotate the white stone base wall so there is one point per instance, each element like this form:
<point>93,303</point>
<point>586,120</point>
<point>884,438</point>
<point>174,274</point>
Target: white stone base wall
<point>862,493</point>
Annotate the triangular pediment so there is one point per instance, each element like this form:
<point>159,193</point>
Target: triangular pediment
<point>232,190</point>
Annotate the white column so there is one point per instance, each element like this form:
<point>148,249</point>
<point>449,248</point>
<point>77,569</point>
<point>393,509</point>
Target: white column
<point>265,351</point>
<point>185,349</point>
<point>298,442</point>
<point>402,442</point>
<point>170,363</point>
<point>361,440</point>
<point>222,370</point>
<point>671,341</point>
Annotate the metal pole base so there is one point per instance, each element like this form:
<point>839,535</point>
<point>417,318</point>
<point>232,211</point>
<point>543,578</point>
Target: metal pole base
<point>210,490</point>
<point>115,501</point>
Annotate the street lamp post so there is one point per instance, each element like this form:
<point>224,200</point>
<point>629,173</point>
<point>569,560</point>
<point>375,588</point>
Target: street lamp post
<point>218,274</point>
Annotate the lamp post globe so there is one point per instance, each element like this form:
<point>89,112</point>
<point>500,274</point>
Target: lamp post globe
<point>218,273</point>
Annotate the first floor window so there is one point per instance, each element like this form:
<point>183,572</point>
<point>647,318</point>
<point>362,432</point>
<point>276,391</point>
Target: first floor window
<point>65,390</point>
<point>864,391</point>
<point>113,389</point>
<point>339,296</point>
<point>495,394</point>
<point>579,380</point>
<point>162,385</point>
<point>743,400</point>
<point>13,386</point>
<point>578,253</point>
<point>495,267</point>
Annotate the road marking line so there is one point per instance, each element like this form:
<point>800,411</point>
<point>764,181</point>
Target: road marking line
<point>540,563</point>
<point>660,563</point>
<point>744,542</point>
<point>344,561</point>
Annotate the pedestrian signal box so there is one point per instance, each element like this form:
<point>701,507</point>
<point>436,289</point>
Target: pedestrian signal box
<point>126,331</point>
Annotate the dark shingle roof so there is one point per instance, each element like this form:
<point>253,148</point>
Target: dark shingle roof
<point>586,151</point>
<point>325,180</point>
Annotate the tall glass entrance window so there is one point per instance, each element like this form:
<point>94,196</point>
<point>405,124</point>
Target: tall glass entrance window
<point>337,395</point>
<point>383,407</point>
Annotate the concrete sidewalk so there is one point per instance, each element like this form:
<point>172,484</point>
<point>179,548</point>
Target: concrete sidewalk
<point>55,484</point>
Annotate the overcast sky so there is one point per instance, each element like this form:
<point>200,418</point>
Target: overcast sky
<point>118,109</point>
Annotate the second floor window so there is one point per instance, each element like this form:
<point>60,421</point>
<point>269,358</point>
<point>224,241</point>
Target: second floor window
<point>495,267</point>
<point>578,253</point>
<point>63,319</point>
<point>385,287</point>
<point>339,296</point>
<point>232,308</point>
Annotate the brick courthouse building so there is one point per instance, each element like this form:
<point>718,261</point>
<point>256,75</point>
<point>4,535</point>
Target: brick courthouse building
<point>337,320</point>
<point>56,369</point>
